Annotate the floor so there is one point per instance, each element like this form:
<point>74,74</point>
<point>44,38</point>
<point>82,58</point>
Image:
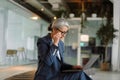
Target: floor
<point>8,71</point>
<point>14,67</point>
<point>106,75</point>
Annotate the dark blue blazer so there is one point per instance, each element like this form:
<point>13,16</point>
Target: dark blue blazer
<point>49,66</point>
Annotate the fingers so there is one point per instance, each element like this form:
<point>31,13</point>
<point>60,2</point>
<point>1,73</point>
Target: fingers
<point>77,67</point>
<point>56,38</point>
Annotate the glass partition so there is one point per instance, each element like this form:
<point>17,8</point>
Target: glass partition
<point>71,44</point>
<point>16,29</point>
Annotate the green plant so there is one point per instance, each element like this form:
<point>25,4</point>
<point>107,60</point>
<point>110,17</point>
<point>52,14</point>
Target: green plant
<point>106,34</point>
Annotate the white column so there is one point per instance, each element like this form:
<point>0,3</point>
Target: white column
<point>79,60</point>
<point>3,36</point>
<point>116,41</point>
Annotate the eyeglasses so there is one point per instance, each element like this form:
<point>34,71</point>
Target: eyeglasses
<point>62,32</point>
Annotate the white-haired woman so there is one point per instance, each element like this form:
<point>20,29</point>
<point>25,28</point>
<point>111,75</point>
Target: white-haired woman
<point>51,65</point>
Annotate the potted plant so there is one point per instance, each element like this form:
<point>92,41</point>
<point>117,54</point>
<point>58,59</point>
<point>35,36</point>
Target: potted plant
<point>106,36</point>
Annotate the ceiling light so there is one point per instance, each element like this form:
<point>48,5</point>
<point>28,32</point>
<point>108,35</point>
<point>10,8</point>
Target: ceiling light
<point>94,15</point>
<point>71,15</point>
<point>42,9</point>
<point>34,18</point>
<point>55,17</point>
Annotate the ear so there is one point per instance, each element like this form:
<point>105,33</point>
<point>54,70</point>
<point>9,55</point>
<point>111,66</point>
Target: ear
<point>53,29</point>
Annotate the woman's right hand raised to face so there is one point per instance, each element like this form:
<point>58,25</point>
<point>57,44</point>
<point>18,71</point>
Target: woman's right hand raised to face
<point>56,37</point>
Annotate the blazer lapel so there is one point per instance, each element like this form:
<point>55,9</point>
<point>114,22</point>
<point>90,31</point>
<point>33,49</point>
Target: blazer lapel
<point>60,52</point>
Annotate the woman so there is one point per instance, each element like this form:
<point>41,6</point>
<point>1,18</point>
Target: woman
<point>51,65</point>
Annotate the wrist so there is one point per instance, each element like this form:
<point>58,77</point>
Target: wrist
<point>55,44</point>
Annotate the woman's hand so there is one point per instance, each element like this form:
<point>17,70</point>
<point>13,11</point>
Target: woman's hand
<point>77,67</point>
<point>56,37</point>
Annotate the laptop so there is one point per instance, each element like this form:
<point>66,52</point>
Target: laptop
<point>89,64</point>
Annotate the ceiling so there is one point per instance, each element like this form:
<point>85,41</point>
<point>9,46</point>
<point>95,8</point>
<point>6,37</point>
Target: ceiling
<point>47,9</point>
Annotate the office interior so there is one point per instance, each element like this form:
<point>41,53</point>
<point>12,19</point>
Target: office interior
<point>22,22</point>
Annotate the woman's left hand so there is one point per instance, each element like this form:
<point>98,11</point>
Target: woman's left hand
<point>78,67</point>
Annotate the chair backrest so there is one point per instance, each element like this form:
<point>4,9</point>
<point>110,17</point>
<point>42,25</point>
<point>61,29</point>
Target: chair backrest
<point>11,52</point>
<point>21,49</point>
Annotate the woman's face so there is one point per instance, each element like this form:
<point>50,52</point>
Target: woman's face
<point>62,31</point>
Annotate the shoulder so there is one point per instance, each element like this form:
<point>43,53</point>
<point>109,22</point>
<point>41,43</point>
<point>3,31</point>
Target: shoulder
<point>46,39</point>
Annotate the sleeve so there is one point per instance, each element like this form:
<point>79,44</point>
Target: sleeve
<point>66,66</point>
<point>46,51</point>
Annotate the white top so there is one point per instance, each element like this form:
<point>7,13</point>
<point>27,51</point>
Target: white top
<point>58,55</point>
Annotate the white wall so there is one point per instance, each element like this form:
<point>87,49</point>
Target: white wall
<point>2,35</point>
<point>16,26</point>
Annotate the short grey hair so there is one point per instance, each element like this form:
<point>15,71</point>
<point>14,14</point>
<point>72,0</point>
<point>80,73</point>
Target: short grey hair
<point>60,22</point>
